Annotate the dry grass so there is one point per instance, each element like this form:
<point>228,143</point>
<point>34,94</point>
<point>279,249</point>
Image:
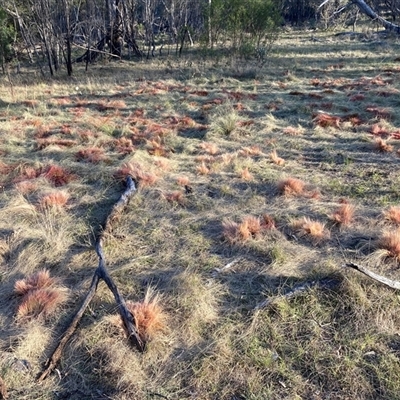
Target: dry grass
<point>210,230</point>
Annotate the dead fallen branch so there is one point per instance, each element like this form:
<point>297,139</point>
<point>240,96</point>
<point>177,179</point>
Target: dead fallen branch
<point>373,275</point>
<point>101,273</point>
<point>324,283</point>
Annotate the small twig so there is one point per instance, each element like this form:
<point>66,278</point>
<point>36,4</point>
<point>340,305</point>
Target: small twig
<point>388,282</point>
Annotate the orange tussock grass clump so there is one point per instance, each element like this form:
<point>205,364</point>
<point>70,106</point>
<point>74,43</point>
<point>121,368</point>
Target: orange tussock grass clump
<point>308,227</point>
<point>55,199</point>
<point>25,187</point>
<point>249,227</point>
<point>245,174</point>
<point>58,175</point>
<point>267,222</point>
<point>40,295</point>
<point>183,181</point>
<point>203,169</point>
<point>150,318</point>
<point>291,187</point>
<point>175,197</point>
<point>344,214</point>
<point>326,120</point>
<point>377,129</point>
<point>390,243</point>
<point>156,148</point>
<point>43,143</point>
<point>39,280</point>
<point>379,112</point>
<point>123,145</point>
<point>292,131</point>
<point>135,170</point>
<point>234,232</point>
<point>252,224</point>
<point>250,151</point>
<point>91,154</point>
<point>393,214</point>
<point>40,302</point>
<point>111,105</point>
<point>209,148</point>
<point>275,159</point>
<point>382,145</point>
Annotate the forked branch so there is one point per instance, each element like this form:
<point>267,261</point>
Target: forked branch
<point>101,273</point>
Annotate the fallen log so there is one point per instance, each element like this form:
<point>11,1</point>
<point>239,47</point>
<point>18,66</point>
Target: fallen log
<point>324,283</point>
<point>379,278</point>
<point>101,273</point>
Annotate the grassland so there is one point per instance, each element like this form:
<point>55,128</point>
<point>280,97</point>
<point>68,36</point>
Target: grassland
<point>289,169</point>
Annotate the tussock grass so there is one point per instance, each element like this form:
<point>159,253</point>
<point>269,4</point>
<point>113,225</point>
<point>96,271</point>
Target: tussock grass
<point>226,157</point>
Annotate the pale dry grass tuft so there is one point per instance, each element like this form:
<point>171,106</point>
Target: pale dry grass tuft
<point>393,215</point>
<point>308,227</point>
<point>275,159</point>
<point>344,214</point>
<point>225,124</point>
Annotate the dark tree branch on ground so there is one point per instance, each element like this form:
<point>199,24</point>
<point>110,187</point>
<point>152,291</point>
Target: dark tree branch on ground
<point>101,273</point>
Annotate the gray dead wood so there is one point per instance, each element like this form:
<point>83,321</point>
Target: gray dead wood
<point>101,273</point>
<point>388,282</point>
<point>324,283</point>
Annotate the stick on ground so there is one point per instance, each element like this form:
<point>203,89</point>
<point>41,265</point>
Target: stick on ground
<point>101,273</point>
<point>373,275</point>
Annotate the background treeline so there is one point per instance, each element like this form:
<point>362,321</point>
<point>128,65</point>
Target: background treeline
<point>56,33</point>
